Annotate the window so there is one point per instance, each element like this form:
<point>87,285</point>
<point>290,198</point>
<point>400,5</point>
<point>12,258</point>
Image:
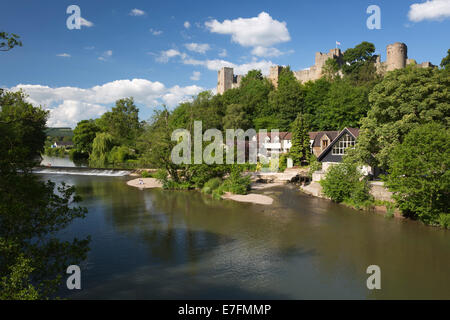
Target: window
<point>324,144</point>
<point>343,143</point>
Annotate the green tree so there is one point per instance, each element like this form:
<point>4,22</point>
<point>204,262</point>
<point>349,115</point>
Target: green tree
<point>102,145</point>
<point>331,69</point>
<point>419,173</point>
<point>84,135</point>
<point>445,63</point>
<point>344,106</point>
<point>288,100</point>
<point>236,118</point>
<point>300,150</point>
<point>122,122</point>
<point>9,41</point>
<point>404,99</point>
<point>357,57</point>
<point>32,258</point>
<point>254,94</point>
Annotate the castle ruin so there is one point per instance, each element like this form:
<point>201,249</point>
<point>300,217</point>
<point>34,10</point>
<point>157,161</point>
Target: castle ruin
<point>396,58</point>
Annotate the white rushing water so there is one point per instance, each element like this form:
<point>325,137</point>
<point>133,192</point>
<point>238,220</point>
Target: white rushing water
<point>83,172</point>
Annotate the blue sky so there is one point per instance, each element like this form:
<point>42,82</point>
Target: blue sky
<point>167,51</point>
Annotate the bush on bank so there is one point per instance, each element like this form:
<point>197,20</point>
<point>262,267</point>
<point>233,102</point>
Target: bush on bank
<point>345,183</point>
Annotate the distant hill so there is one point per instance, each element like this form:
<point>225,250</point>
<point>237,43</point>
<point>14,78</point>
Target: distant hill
<point>59,132</point>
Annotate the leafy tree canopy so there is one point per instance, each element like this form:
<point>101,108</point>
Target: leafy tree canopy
<point>404,99</point>
<point>419,174</point>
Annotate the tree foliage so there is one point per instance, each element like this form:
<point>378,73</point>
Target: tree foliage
<point>288,100</point>
<point>122,122</point>
<point>84,135</point>
<point>300,150</point>
<point>419,173</point>
<point>404,99</point>
<point>345,183</point>
<point>445,63</point>
<point>9,41</point>
<point>32,212</point>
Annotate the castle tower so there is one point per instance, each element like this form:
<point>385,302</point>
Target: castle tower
<point>396,56</point>
<point>274,74</point>
<point>225,79</point>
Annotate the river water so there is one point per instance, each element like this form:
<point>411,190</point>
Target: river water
<point>155,244</point>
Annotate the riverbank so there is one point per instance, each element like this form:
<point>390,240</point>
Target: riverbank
<point>145,183</point>
<point>378,191</point>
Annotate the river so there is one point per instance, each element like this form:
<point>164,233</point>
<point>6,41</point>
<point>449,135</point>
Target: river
<point>156,244</point>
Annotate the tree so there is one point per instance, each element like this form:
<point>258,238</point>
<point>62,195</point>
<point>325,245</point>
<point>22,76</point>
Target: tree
<point>358,63</point>
<point>419,173</point>
<point>288,100</point>
<point>404,99</point>
<point>254,94</point>
<point>84,135</point>
<point>32,258</point>
<point>354,58</point>
<point>445,63</point>
<point>343,106</point>
<point>300,151</point>
<point>236,118</point>
<point>122,122</point>
<point>9,41</point>
<point>331,69</point>
<point>102,145</point>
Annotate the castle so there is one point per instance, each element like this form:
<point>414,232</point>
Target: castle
<point>396,58</point>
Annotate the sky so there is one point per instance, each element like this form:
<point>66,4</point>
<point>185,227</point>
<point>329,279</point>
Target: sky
<point>166,52</point>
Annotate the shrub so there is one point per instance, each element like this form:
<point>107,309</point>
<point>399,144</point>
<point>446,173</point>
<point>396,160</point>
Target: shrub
<point>145,174</point>
<point>211,185</point>
<point>314,165</point>
<point>444,220</point>
<point>345,183</point>
<point>283,162</point>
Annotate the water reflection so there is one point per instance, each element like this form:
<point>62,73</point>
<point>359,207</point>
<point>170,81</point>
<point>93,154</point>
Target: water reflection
<point>160,244</point>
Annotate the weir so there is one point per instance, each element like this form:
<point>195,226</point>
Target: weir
<point>82,171</point>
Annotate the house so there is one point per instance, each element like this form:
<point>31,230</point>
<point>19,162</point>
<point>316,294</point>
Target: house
<point>280,142</point>
<point>335,150</point>
<point>332,153</point>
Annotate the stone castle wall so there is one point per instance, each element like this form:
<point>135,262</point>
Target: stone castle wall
<point>396,58</point>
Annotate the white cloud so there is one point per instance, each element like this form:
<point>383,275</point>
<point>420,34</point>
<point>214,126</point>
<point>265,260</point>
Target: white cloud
<point>195,76</point>
<point>216,64</point>
<point>252,32</point>
<point>85,23</point>
<point>187,24</point>
<point>136,12</point>
<point>178,94</point>
<point>68,105</point>
<point>223,53</point>
<point>198,47</point>
<point>107,54</point>
<point>268,52</point>
<point>70,112</point>
<point>165,56</point>
<point>429,10</point>
<point>155,32</point>
<point>63,55</point>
